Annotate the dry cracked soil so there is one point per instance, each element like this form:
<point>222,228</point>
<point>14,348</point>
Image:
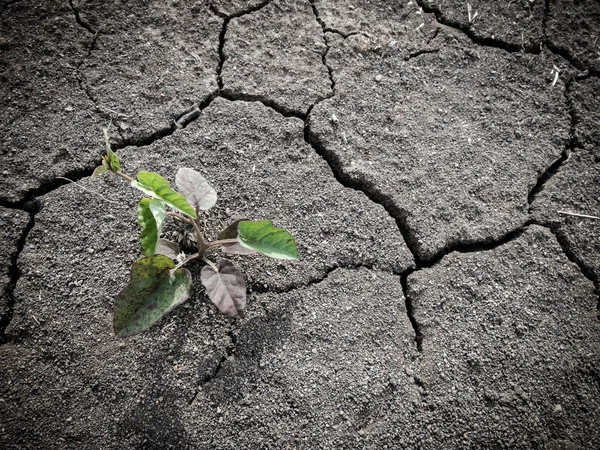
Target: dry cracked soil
<point>434,160</point>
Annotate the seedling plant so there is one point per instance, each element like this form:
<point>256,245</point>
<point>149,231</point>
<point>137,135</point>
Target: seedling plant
<point>159,282</point>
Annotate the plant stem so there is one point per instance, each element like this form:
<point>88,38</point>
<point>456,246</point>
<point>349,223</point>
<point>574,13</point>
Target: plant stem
<point>185,261</point>
<point>220,242</point>
<point>200,238</point>
<point>583,216</point>
<point>210,263</point>
<point>179,216</point>
<point>125,177</point>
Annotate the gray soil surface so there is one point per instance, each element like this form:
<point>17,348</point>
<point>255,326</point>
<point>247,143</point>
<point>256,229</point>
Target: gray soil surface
<point>419,158</point>
<point>13,226</point>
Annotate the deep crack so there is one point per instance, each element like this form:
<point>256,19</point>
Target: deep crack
<point>327,48</point>
<point>560,51</point>
<point>410,310</point>
<point>479,40</point>
<point>30,197</point>
<point>226,19</point>
<point>82,23</point>
<point>15,274</point>
<point>269,103</point>
<point>566,153</point>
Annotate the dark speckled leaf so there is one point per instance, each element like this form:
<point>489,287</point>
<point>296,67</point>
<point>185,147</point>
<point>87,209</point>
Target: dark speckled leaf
<point>152,293</point>
<point>225,287</point>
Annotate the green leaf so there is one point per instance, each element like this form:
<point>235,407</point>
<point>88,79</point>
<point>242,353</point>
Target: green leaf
<point>113,159</point>
<point>263,237</point>
<point>151,294</point>
<point>225,287</point>
<point>151,215</point>
<point>100,169</point>
<point>231,231</point>
<point>156,186</point>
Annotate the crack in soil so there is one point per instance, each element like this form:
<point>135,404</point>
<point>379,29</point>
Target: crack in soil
<point>545,20</point>
<point>479,40</point>
<point>80,81</point>
<point>226,19</point>
<point>230,351</point>
<point>423,51</point>
<point>566,153</point>
<point>324,54</point>
<point>269,103</point>
<point>15,274</point>
<point>410,309</point>
<point>82,23</point>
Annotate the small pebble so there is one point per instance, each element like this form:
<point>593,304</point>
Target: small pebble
<point>378,78</point>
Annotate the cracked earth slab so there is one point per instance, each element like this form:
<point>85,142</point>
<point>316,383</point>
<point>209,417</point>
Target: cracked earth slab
<point>575,189</point>
<point>275,55</point>
<point>573,29</point>
<point>260,166</point>
<point>318,363</point>
<point>47,125</point>
<point>511,346</point>
<point>12,225</point>
<point>318,370</point>
<point>151,62</point>
<point>511,24</point>
<point>452,140</point>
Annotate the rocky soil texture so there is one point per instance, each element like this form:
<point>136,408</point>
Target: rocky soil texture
<point>433,160</point>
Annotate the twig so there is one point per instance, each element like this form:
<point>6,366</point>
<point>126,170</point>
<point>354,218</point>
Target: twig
<point>89,190</point>
<point>583,216</point>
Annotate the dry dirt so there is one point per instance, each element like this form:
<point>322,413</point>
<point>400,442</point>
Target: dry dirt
<point>419,156</point>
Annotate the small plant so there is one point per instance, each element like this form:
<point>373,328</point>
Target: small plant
<point>157,284</point>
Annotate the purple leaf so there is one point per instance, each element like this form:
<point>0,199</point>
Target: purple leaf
<point>196,189</point>
<point>225,287</point>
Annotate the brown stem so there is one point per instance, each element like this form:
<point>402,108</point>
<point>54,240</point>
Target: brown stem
<point>180,217</point>
<point>199,238</point>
